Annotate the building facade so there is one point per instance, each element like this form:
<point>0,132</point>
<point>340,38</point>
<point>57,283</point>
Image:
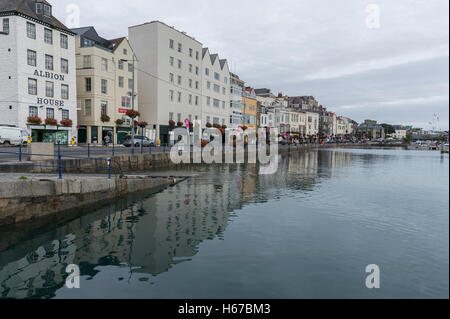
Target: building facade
<point>37,63</point>
<point>169,77</point>
<point>370,129</point>
<point>216,90</point>
<point>250,108</point>
<point>237,87</point>
<point>104,86</point>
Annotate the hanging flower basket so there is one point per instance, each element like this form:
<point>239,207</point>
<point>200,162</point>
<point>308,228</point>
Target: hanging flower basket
<point>245,127</point>
<point>105,118</point>
<point>36,120</point>
<point>180,124</point>
<point>171,123</point>
<point>51,122</point>
<point>133,114</point>
<point>142,124</point>
<point>119,122</point>
<point>208,125</point>
<point>66,123</point>
<point>224,127</point>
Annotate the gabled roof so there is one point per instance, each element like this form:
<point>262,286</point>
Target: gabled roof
<point>27,8</point>
<point>115,43</point>
<point>213,58</point>
<point>91,34</point>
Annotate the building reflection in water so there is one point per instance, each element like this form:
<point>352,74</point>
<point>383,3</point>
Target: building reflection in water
<point>151,233</point>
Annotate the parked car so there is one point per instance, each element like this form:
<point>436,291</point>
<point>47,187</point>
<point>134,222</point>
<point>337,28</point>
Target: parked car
<point>13,135</point>
<point>138,140</point>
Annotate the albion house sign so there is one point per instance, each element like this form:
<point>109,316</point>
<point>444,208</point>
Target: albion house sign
<point>49,75</point>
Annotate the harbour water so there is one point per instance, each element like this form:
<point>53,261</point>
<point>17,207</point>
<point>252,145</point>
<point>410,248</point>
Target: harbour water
<point>307,232</point>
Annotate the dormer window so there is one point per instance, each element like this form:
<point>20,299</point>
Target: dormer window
<point>47,10</point>
<point>39,9</point>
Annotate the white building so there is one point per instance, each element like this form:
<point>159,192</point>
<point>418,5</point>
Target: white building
<point>237,107</point>
<point>312,123</point>
<point>216,90</point>
<point>169,76</point>
<point>37,63</point>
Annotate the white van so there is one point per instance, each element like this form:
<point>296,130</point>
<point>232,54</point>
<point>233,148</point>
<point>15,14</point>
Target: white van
<point>12,135</point>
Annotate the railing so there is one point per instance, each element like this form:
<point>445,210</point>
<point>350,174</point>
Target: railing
<point>59,156</point>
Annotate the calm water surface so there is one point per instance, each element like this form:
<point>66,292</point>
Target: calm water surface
<point>307,232</point>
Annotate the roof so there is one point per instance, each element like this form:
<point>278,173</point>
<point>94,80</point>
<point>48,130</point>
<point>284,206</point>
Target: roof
<point>27,9</point>
<point>91,34</point>
<point>115,43</point>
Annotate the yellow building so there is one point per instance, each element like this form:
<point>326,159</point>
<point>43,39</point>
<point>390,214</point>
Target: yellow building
<point>104,86</point>
<point>250,108</point>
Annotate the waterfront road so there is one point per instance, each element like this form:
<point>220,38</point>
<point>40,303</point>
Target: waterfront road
<point>11,153</point>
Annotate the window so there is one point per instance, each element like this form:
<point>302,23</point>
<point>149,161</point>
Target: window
<point>208,85</point>
<point>171,77</point>
<point>216,88</point>
<point>171,43</point>
<point>130,67</point>
<point>50,114</point>
<point>196,85</point>
<point>208,101</point>
<point>225,80</point>
<point>49,62</point>
<point>170,116</point>
<point>39,8</point>
<point>216,103</point>
<point>47,10</point>
<point>65,114</point>
<point>197,55</point>
<point>88,84</point>
<point>87,61</point>
<point>104,64</point>
<point>179,97</point>
<point>190,68</point>
<point>121,81</point>
<point>104,108</point>
<point>31,57</point>
<point>48,36</point>
<point>120,64</point>
<point>130,83</point>
<point>33,111</point>
<point>126,101</point>
<point>64,91</point>
<point>217,76</point>
<point>179,80</point>
<point>190,83</point>
<point>196,70</point>
<point>32,86</point>
<point>179,47</point>
<point>171,95</point>
<point>64,41</point>
<point>87,107</point>
<point>104,86</point>
<point>125,51</point>
<point>6,26</point>
<point>64,66</point>
<point>179,64</point>
<point>31,30</point>
<point>223,122</point>
<point>224,91</point>
<point>196,100</point>
<point>49,89</point>
<point>206,71</point>
<point>190,98</point>
<point>208,119</point>
<point>179,117</point>
<point>223,104</point>
<point>171,60</point>
<point>215,120</point>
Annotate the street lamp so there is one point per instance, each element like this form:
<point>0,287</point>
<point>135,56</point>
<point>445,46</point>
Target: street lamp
<point>132,101</point>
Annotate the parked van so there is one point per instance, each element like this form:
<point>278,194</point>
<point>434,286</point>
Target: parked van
<point>13,135</point>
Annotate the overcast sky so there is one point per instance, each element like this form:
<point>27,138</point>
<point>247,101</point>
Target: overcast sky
<point>394,70</point>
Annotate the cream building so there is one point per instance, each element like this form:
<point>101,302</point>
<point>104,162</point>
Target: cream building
<point>104,86</point>
<point>216,90</point>
<point>170,76</point>
<point>312,123</point>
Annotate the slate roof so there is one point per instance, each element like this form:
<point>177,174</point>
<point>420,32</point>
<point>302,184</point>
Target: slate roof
<point>27,8</point>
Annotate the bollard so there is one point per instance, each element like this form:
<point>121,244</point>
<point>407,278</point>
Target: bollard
<point>113,149</point>
<point>89,150</point>
<point>109,168</point>
<point>142,142</point>
<point>20,152</point>
<point>59,166</point>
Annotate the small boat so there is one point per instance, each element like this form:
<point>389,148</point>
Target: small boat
<point>444,148</point>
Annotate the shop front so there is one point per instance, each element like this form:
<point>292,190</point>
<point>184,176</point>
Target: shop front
<point>122,132</point>
<point>50,134</point>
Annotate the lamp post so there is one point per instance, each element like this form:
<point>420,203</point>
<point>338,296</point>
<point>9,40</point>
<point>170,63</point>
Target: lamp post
<point>132,101</point>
